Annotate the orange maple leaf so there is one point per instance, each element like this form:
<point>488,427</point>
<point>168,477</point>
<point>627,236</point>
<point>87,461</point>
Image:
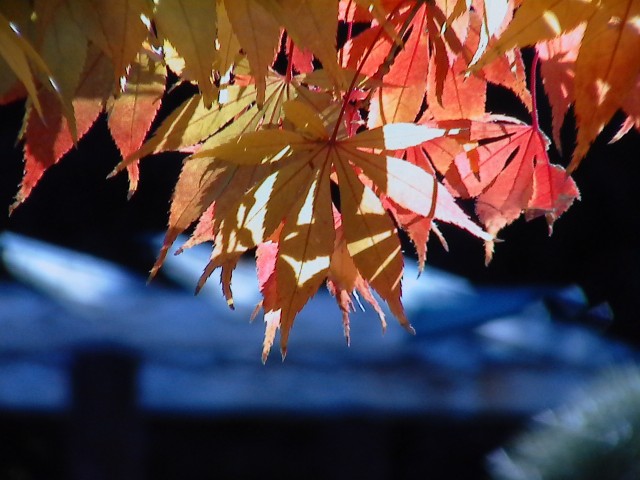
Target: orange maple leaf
<point>133,111</point>
<point>291,204</point>
<point>607,63</point>
<point>49,138</point>
<point>513,175</point>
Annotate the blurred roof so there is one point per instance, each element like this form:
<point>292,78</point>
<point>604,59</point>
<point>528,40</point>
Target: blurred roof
<point>507,350</point>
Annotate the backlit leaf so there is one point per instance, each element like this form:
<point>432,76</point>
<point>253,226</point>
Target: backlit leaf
<point>115,26</point>
<point>558,57</point>
<point>229,46</point>
<point>258,34</point>
<point>539,20</point>
<point>312,24</point>
<point>190,26</point>
<point>371,240</point>
<point>131,113</point>
<point>49,138</point>
<point>305,119</point>
<point>395,136</point>
<point>399,98</point>
<point>602,86</point>
<point>306,244</point>
<point>17,52</point>
<point>257,147</point>
<point>345,282</point>
<point>64,50</point>
<point>323,127</point>
<point>514,174</point>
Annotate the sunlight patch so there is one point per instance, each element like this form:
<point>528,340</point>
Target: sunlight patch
<point>364,243</point>
<point>305,270</point>
<point>552,22</point>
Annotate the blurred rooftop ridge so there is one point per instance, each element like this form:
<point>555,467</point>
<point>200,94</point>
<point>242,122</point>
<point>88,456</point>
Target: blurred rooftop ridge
<point>478,349</point>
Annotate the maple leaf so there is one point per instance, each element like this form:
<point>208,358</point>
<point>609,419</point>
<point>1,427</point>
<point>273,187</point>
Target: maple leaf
<point>305,247</point>
<point>301,163</point>
<point>443,207</point>
<point>310,23</point>
<point>302,59</point>
<point>228,46</point>
<point>371,240</point>
<point>367,51</point>
<point>21,58</point>
<point>631,107</point>
<point>266,255</point>
<point>133,111</point>
<point>459,96</point>
<point>49,138</point>
<point>399,99</point>
<point>192,122</point>
<point>258,34</point>
<point>558,57</point>
<point>513,175</point>
<point>64,50</point>
<point>365,129</point>
<point>495,15</point>
<point>537,21</point>
<point>454,94</point>
<point>611,33</point>
<point>344,280</point>
<point>203,179</point>
<point>116,27</point>
<point>190,26</point>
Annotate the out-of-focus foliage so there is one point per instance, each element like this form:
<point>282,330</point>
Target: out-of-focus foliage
<point>596,437</point>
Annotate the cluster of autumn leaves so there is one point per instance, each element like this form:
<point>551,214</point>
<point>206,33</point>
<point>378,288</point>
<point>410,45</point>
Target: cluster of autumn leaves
<point>323,126</point>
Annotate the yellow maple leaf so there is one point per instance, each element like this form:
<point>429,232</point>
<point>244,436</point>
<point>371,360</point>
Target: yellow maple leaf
<point>258,33</point>
<point>20,56</point>
<point>294,202</point>
<point>607,66</point>
<point>310,23</point>
<point>190,26</point>
<point>115,26</point>
<point>132,112</point>
<point>608,61</point>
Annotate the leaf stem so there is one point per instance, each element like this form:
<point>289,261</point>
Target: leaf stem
<point>289,60</point>
<point>347,94</point>
<point>349,31</point>
<point>532,88</point>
